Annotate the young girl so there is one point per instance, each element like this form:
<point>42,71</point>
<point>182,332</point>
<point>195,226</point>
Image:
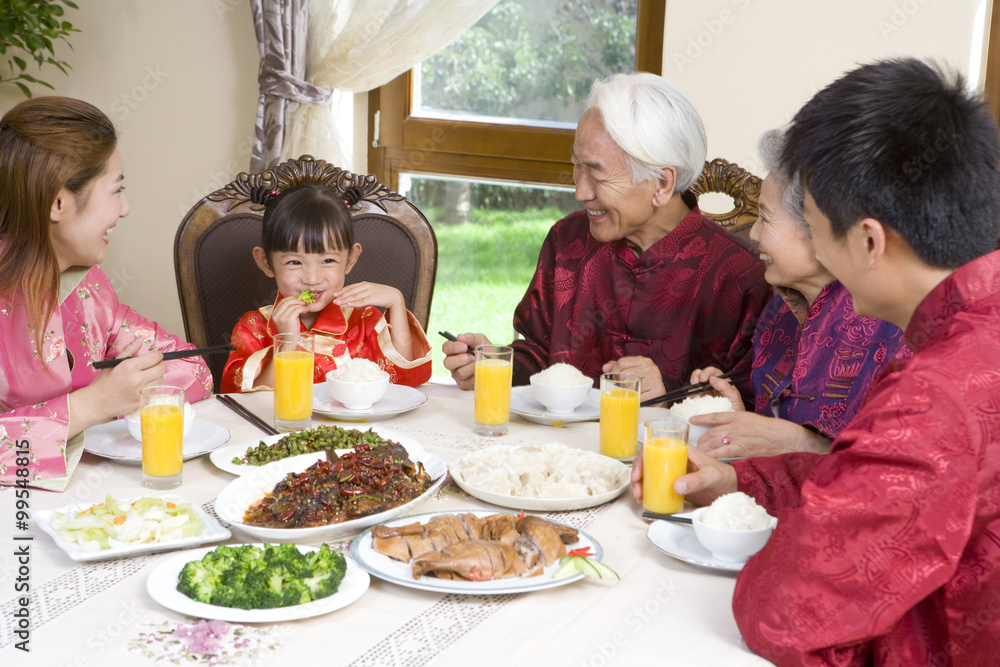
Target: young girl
<point>308,248</point>
<point>61,194</point>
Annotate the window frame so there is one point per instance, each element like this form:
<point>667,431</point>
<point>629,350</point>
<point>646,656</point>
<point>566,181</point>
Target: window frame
<point>399,142</point>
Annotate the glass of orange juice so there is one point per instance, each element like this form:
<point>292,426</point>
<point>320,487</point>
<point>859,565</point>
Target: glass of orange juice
<point>664,459</point>
<point>494,365</point>
<point>293,380</point>
<point>619,415</point>
<point>161,417</point>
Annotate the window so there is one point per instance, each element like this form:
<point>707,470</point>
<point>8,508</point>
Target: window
<point>479,137</point>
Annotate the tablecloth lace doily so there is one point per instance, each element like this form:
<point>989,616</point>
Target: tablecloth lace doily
<point>415,643</point>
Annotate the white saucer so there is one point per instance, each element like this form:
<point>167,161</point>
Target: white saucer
<point>113,441</point>
<point>524,404</point>
<point>397,400</point>
<point>680,542</point>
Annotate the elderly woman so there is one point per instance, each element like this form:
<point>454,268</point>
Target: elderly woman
<point>814,357</point>
<point>638,282</point>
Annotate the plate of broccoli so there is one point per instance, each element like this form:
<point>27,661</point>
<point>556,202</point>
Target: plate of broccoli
<point>257,583</point>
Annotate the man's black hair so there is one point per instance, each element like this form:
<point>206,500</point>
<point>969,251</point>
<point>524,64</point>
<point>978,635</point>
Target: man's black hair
<point>907,144</point>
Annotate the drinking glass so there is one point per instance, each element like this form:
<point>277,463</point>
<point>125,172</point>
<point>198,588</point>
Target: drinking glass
<point>664,459</point>
<point>161,418</point>
<point>293,380</point>
<point>494,364</point>
<point>619,414</point>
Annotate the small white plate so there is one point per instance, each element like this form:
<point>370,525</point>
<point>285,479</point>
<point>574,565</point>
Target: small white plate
<point>113,441</point>
<point>680,542</point>
<point>397,400</point>
<point>396,572</point>
<point>212,532</point>
<point>542,504</point>
<point>234,500</point>
<point>524,404</point>
<point>223,457</point>
<point>162,587</point>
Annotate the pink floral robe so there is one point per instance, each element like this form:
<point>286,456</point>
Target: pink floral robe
<point>89,325</point>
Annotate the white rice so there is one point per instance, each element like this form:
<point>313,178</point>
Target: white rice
<point>561,375</point>
<point>552,470</point>
<point>736,511</point>
<point>701,405</point>
<point>358,370</point>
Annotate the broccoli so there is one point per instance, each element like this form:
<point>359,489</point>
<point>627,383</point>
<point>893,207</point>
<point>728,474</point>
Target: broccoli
<point>248,577</point>
<point>307,297</point>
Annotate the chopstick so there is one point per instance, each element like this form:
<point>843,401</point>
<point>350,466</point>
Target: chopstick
<point>239,409</point>
<point>454,339</point>
<point>180,354</point>
<point>688,390</point>
<point>666,517</point>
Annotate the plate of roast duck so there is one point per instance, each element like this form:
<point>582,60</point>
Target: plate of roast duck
<point>475,552</point>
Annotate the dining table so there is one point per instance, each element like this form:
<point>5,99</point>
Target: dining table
<point>662,611</point>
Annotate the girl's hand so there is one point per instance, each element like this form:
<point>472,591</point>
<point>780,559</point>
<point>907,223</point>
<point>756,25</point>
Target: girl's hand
<point>370,294</point>
<point>286,315</point>
<point>703,374</point>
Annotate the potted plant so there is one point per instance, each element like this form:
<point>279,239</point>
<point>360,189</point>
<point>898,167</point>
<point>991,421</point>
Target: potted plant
<point>28,29</point>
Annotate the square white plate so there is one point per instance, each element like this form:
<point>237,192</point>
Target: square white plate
<point>213,531</point>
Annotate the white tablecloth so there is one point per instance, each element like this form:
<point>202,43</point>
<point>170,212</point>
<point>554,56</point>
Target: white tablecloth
<point>662,612</point>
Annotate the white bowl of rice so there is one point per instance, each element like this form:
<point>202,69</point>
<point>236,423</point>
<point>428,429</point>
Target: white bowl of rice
<point>358,383</point>
<point>699,405</point>
<point>561,388</point>
<point>734,527</point>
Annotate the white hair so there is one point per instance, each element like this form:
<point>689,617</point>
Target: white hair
<point>654,123</point>
<point>790,185</point>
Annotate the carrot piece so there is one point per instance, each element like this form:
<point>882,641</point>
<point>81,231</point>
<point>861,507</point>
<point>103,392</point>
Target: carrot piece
<point>120,519</point>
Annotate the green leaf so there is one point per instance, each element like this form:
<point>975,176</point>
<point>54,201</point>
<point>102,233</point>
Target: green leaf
<point>20,63</point>
<point>24,89</point>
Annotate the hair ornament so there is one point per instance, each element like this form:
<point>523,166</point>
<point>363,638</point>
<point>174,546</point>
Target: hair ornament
<point>352,195</point>
<point>260,194</point>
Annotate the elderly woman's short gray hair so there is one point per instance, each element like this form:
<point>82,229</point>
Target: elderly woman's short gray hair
<point>654,123</point>
<point>792,192</point>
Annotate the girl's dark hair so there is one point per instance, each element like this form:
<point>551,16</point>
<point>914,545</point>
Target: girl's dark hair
<point>313,214</point>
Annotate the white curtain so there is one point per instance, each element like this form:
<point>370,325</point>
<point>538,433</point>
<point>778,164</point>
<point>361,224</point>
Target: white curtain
<point>357,45</point>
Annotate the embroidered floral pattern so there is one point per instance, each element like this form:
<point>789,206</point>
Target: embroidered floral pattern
<point>205,643</point>
<point>57,348</point>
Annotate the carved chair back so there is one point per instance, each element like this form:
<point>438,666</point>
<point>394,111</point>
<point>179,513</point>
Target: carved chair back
<point>729,178</point>
<point>218,281</point>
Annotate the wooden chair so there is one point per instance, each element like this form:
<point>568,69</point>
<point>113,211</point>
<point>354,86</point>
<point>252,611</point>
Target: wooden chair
<point>218,281</point>
<point>728,178</point>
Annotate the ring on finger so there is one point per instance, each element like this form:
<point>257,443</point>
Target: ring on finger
<point>725,439</point>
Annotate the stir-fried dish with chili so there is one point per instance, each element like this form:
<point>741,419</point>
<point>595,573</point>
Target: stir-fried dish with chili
<point>369,480</point>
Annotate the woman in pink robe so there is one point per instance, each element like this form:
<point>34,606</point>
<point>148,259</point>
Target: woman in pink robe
<point>60,197</point>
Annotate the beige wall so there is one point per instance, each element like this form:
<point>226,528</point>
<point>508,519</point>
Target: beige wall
<point>748,65</point>
<point>179,79</point>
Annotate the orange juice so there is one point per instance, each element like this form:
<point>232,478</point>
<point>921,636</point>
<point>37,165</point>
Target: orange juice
<point>619,423</point>
<point>293,383</point>
<point>663,461</point>
<point>493,391</point>
<point>162,440</point>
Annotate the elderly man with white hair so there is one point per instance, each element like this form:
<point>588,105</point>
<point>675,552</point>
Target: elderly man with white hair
<point>639,281</point>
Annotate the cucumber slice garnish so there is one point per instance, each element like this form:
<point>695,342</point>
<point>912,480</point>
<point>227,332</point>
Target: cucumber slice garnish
<point>567,568</point>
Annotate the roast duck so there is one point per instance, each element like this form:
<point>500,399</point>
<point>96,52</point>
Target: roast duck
<point>464,546</point>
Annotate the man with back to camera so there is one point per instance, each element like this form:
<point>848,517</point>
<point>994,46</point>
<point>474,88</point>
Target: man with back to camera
<point>639,282</point>
<point>886,550</point>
